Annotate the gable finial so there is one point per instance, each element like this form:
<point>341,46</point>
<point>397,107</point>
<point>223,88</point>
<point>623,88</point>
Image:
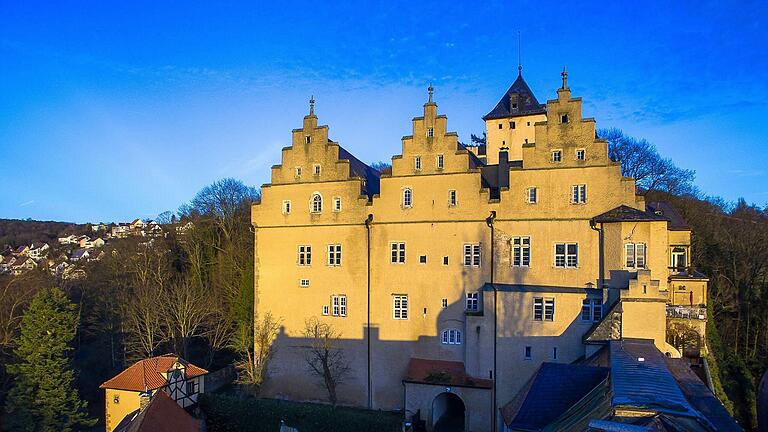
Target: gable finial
<point>430,89</point>
<point>312,105</point>
<point>564,74</point>
<point>519,55</point>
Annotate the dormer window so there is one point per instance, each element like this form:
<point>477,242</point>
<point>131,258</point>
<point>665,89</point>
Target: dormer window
<point>417,163</point>
<point>308,139</point>
<point>430,132</point>
<point>563,118</point>
<point>317,169</point>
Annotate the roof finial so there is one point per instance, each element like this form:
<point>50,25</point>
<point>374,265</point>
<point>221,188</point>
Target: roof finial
<point>564,74</point>
<point>519,55</point>
<point>312,105</point>
<point>430,89</point>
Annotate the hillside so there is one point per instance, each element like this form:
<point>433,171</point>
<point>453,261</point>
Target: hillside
<point>14,232</point>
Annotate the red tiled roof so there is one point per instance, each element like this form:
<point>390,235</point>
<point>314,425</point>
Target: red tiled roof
<point>161,415</point>
<point>442,372</point>
<point>146,374</point>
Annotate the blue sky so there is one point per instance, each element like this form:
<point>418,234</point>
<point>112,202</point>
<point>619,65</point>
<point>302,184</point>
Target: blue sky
<point>115,110</point>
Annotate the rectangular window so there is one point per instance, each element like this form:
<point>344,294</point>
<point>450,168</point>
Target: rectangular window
<point>521,251</point>
<point>308,139</point>
<point>472,255</point>
<point>554,353</point>
<point>430,132</point>
<point>400,307</point>
<point>564,118</point>
<point>398,253</point>
<point>191,387</point>
<point>305,255</point>
<point>473,302</point>
<point>317,169</point>
<point>578,194</point>
<point>444,303</point>
<point>325,310</point>
<point>417,162</point>
<point>339,305</point>
<point>581,154</point>
<point>500,126</point>
<point>557,156</point>
<point>532,195</point>
<point>334,255</point>
<point>440,161</point>
<point>635,255</point>
<point>336,204</point>
<point>422,259</point>
<point>511,125</point>
<point>591,310</point>
<point>304,283</point>
<point>298,171</point>
<point>286,206</point>
<point>452,198</point>
<point>528,353</point>
<point>566,255</point>
<point>445,260</point>
<point>543,309</point>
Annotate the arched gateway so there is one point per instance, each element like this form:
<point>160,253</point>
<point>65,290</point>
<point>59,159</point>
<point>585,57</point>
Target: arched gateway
<point>448,413</point>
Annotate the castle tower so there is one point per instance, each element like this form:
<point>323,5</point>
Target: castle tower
<point>510,123</point>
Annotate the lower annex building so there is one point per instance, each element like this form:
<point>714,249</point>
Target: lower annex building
<point>454,277</point>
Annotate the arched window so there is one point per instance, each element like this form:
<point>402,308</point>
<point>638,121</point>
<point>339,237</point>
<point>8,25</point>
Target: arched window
<point>407,197</point>
<point>450,337</point>
<point>316,203</point>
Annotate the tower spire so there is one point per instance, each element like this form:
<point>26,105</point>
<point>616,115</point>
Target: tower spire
<point>564,74</point>
<point>430,89</point>
<point>312,105</point>
<point>519,55</point>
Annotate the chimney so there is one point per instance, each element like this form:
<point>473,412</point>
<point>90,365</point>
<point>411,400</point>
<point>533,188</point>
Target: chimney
<point>503,169</point>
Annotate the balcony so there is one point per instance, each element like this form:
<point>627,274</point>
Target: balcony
<point>685,312</point>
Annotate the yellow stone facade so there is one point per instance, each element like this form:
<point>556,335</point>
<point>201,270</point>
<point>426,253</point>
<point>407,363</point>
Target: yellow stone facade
<point>538,270</point>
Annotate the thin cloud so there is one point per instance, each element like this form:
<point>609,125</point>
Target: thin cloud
<point>26,203</point>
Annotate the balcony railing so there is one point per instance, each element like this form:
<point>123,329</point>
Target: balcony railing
<point>685,312</point>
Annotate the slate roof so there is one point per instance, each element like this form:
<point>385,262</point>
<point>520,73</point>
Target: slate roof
<point>625,213</point>
<point>361,170</point>
<point>554,389</point>
<point>442,372</point>
<point>527,103</point>
<point>665,209</point>
<point>161,415</point>
<point>146,374</point>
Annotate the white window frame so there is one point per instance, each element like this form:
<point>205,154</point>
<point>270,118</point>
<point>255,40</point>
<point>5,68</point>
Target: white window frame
<point>304,283</point>
<point>297,172</point>
<point>334,255</point>
<point>544,309</point>
<point>635,255</point>
<point>521,251</point>
<point>472,301</point>
<point>317,169</point>
<point>417,163</point>
<point>557,156</point>
<point>304,258</point>
<point>675,256</point>
<point>336,204</point>
<point>286,206</point>
<point>407,198</point>
<point>440,161</point>
<point>532,195</point>
<point>581,154</point>
<point>567,259</point>
<point>339,305</point>
<point>472,254</point>
<point>591,309</point>
<point>316,203</point>
<point>450,336</point>
<point>430,132</point>
<point>326,310</point>
<point>452,198</point>
<point>397,253</point>
<point>444,303</point>
<point>400,306</point>
<point>579,194</point>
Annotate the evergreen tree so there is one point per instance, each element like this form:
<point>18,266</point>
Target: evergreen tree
<point>44,397</point>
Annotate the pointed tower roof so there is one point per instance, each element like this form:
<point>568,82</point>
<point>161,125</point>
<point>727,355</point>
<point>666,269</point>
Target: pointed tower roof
<point>527,102</point>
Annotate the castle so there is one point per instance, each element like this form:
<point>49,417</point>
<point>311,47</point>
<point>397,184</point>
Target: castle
<point>466,272</point>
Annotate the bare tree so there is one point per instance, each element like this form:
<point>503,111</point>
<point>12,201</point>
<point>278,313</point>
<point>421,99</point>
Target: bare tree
<point>324,357</point>
<point>185,310</point>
